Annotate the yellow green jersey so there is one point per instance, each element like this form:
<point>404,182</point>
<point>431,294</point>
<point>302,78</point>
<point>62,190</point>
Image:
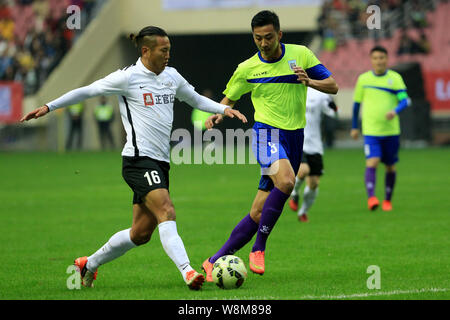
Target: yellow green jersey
<point>379,94</point>
<point>104,112</point>
<point>278,97</point>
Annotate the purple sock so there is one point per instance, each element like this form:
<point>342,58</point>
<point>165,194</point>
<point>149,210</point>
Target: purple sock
<point>240,236</point>
<point>270,213</point>
<point>370,181</point>
<point>389,183</point>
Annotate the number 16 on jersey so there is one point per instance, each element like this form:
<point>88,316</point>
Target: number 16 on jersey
<point>153,177</point>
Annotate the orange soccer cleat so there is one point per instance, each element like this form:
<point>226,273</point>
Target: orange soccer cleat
<point>373,203</point>
<point>257,262</point>
<point>303,218</point>
<point>293,204</point>
<point>87,277</point>
<point>387,205</point>
<point>194,280</point>
<point>208,268</point>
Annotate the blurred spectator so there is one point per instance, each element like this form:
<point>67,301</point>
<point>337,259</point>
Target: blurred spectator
<point>7,28</point>
<point>417,14</point>
<point>104,114</point>
<point>408,46</point>
<point>76,125</point>
<point>42,10</point>
<point>329,40</point>
<point>423,43</point>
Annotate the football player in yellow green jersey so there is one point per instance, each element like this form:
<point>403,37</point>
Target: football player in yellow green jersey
<point>277,77</point>
<point>382,93</point>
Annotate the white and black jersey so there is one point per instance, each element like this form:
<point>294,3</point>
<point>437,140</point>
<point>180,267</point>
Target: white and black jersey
<point>146,105</point>
<point>316,103</point>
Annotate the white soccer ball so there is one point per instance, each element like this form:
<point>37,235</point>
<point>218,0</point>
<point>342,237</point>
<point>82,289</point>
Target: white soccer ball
<point>229,272</point>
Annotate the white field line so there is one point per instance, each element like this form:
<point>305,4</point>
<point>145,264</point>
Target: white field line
<point>341,296</point>
<point>373,294</point>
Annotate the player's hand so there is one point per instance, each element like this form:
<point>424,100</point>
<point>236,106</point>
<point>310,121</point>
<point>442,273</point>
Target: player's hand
<point>36,113</point>
<point>391,115</point>
<point>212,120</point>
<point>302,75</point>
<point>231,113</point>
<point>354,133</point>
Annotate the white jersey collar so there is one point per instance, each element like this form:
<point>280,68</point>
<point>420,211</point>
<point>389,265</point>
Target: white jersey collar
<point>141,66</point>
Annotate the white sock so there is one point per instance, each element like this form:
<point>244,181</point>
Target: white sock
<point>116,246</point>
<point>298,184</point>
<point>309,196</point>
<point>174,247</point>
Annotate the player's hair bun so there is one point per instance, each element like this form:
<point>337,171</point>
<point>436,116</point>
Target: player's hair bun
<point>132,38</point>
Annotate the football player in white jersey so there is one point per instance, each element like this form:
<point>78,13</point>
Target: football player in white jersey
<point>146,91</point>
<point>311,167</point>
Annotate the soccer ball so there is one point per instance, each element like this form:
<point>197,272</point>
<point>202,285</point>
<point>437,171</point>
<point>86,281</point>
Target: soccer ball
<point>229,272</point>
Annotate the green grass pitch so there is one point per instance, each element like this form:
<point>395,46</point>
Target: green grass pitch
<point>56,207</point>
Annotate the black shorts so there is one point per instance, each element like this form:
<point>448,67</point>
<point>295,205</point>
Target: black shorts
<point>314,162</point>
<point>144,174</point>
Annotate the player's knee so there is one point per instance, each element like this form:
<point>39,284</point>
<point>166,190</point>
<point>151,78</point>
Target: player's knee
<point>255,214</point>
<point>302,174</point>
<point>286,184</point>
<point>313,184</point>
<point>390,168</point>
<point>372,162</point>
<point>140,237</point>
<point>167,213</point>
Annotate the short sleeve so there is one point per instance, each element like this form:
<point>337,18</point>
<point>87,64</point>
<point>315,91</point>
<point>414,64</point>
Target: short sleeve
<point>237,86</point>
<point>309,59</point>
<point>400,88</point>
<point>313,67</point>
<point>358,94</point>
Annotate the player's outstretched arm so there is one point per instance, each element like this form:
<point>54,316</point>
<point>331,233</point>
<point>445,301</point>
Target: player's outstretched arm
<point>36,113</point>
<point>231,113</point>
<point>218,118</point>
<point>114,83</point>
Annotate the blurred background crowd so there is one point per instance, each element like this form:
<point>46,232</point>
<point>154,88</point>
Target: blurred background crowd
<point>341,20</point>
<point>34,38</point>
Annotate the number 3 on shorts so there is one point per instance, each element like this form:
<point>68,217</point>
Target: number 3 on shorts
<point>153,177</point>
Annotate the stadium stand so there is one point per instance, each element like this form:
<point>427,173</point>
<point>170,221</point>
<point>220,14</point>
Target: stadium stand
<point>34,38</point>
<point>413,31</point>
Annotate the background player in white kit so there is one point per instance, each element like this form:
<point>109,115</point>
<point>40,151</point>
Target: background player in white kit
<point>146,92</point>
<point>311,167</point>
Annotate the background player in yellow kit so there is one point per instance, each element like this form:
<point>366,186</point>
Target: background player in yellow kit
<point>382,93</point>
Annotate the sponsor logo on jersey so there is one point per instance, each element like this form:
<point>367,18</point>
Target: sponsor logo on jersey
<point>292,64</point>
<point>259,74</point>
<point>148,99</point>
